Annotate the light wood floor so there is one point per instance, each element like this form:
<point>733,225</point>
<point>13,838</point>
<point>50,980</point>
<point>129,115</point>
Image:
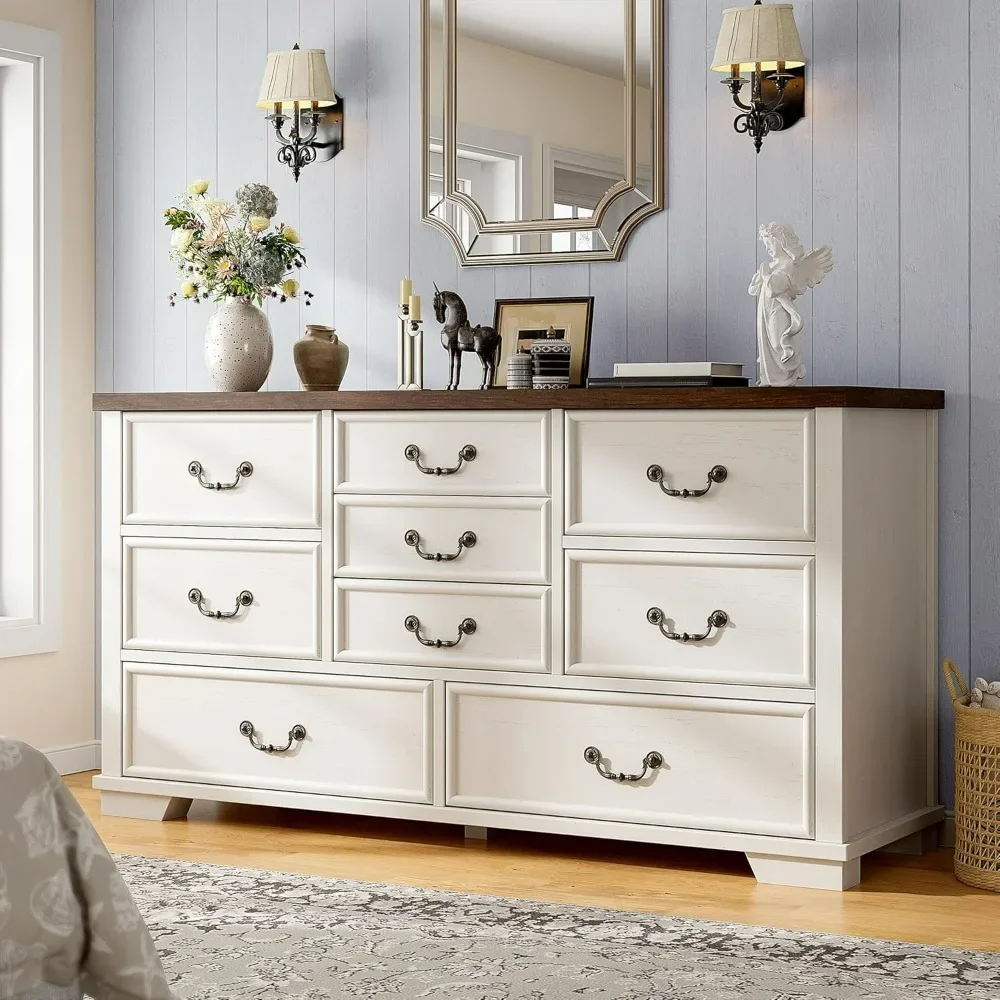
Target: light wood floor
<point>907,899</point>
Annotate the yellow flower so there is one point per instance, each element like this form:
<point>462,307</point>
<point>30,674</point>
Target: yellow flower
<point>290,234</point>
<point>225,266</point>
<point>258,223</point>
<point>290,287</point>
<point>189,289</point>
<point>197,187</point>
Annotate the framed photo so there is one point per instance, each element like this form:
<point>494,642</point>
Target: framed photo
<point>520,322</point>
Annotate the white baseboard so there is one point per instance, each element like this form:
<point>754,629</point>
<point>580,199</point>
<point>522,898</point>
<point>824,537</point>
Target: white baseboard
<point>76,757</point>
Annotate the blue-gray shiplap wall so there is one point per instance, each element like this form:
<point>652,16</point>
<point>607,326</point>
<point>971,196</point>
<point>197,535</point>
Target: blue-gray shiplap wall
<point>894,166</point>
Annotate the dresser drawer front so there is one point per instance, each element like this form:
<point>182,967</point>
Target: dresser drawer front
<point>511,628</point>
<point>768,601</point>
<point>766,492</point>
<point>400,538</point>
<point>282,617</point>
<point>511,453</point>
<point>282,489</point>
<point>367,738</point>
<point>736,766</point>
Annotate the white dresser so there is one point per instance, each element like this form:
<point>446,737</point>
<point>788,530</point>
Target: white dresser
<point>694,617</point>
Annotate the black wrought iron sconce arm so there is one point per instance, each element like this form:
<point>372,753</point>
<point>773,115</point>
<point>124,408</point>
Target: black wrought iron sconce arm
<point>298,145</point>
<point>762,115</point>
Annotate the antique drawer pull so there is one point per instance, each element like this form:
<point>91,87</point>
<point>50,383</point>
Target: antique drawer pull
<point>465,541</point>
<point>295,735</point>
<point>717,619</point>
<point>467,454</point>
<point>466,627</point>
<point>243,600</point>
<point>243,471</point>
<point>717,474</point>
<point>653,761</point>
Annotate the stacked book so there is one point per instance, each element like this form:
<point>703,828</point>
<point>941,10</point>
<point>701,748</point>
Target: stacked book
<point>679,375</point>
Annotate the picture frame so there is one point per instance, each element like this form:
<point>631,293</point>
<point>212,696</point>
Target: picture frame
<point>521,321</point>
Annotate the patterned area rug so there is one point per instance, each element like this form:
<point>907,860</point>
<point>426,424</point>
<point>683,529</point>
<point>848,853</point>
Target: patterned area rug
<point>234,933</point>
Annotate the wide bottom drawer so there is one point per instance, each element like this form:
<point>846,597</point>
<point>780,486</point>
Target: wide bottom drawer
<point>363,737</point>
<point>737,766</point>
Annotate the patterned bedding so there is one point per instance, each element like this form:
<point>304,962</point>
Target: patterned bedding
<point>68,925</point>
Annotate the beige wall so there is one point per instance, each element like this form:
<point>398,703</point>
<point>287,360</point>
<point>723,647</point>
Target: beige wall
<point>48,700</point>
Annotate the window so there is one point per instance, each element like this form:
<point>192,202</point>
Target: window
<point>30,278</point>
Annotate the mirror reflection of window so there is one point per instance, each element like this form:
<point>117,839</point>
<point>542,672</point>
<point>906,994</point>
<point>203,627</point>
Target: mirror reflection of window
<point>580,239</point>
<point>539,74</point>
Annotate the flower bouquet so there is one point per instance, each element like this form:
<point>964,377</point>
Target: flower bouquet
<point>236,255</point>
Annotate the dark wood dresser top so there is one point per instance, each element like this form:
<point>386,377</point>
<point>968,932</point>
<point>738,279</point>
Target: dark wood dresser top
<point>751,398</point>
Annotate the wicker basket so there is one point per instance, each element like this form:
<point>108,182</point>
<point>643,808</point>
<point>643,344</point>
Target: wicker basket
<point>977,787</point>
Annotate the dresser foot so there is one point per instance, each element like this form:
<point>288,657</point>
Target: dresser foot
<point>805,873</point>
<point>476,833</point>
<point>917,843</point>
<point>137,806</point>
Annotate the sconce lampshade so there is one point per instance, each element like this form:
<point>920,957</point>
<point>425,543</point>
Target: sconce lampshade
<point>299,75</point>
<point>763,35</point>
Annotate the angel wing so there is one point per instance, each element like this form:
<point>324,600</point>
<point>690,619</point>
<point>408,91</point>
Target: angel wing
<point>811,269</point>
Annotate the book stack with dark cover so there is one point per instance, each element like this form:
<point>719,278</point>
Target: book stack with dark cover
<point>679,375</point>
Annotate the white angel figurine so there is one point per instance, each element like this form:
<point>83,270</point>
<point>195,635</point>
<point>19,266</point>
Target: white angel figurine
<point>777,284</point>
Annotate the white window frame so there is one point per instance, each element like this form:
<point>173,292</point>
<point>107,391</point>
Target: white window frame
<point>30,376</point>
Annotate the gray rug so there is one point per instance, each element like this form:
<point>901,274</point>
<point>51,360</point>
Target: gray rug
<point>234,933</point>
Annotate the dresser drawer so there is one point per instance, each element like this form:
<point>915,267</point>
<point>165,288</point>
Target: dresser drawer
<point>461,454</point>
<point>737,766</point>
<point>173,461</point>
<point>366,738</point>
<point>469,539</point>
<point>619,605</point>
<point>505,628</point>
<point>279,582</point>
<point>618,465</point>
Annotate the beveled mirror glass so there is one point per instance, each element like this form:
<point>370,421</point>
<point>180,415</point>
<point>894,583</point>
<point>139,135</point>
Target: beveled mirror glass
<point>542,126</point>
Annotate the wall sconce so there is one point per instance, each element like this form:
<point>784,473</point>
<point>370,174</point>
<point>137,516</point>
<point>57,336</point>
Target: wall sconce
<point>764,41</point>
<point>297,90</point>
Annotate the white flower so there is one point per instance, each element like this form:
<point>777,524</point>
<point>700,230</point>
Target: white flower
<point>258,223</point>
<point>225,266</point>
<point>218,209</point>
<point>181,240</point>
<point>290,234</point>
<point>199,186</point>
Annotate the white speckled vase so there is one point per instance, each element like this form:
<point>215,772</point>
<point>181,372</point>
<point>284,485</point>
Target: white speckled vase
<point>238,347</point>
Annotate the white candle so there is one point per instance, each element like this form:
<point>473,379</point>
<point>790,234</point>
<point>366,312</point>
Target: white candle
<point>414,307</point>
<point>405,291</point>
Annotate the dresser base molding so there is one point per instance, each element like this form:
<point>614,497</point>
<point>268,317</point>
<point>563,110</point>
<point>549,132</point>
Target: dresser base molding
<point>120,797</point>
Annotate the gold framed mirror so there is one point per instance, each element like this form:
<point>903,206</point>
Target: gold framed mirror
<point>542,125</point>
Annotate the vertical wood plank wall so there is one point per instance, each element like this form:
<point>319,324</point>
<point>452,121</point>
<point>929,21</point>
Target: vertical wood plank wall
<point>893,166</point>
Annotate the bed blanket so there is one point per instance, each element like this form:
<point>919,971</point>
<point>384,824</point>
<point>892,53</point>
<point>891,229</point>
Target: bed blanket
<point>66,917</point>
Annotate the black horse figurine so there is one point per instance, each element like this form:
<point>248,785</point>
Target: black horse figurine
<point>457,336</point>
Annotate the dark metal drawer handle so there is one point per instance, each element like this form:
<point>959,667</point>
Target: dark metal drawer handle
<point>717,474</point>
<point>467,454</point>
<point>243,471</point>
<point>243,600</point>
<point>467,626</point>
<point>295,735</point>
<point>653,761</point>
<point>717,619</point>
<point>465,541</point>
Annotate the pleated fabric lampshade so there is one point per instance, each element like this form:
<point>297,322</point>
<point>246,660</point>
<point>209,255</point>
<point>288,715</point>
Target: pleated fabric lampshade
<point>299,75</point>
<point>764,35</point>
